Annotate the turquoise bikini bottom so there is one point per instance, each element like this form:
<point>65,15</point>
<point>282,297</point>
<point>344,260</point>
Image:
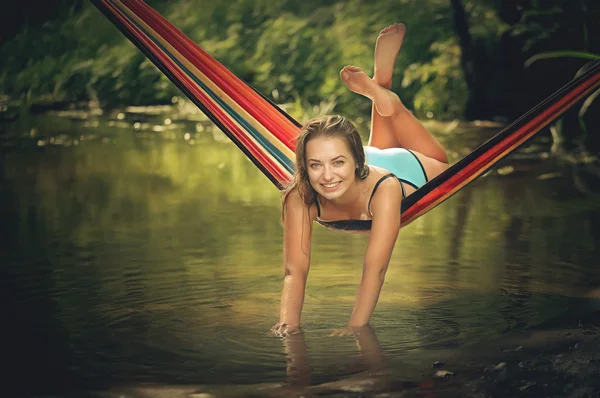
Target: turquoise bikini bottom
<point>402,162</point>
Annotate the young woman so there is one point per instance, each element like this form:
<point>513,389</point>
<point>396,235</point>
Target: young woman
<point>343,185</point>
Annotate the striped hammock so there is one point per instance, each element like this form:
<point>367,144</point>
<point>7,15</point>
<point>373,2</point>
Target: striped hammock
<point>266,134</point>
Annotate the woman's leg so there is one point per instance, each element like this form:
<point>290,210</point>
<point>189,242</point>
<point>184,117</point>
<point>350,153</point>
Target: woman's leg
<point>397,128</point>
<point>406,130</point>
<point>387,47</point>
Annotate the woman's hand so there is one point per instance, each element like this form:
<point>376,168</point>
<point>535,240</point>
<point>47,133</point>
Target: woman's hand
<point>282,329</point>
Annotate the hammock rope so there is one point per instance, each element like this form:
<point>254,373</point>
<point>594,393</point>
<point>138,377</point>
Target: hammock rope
<point>266,134</point>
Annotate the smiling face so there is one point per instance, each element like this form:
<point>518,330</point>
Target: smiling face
<point>330,166</point>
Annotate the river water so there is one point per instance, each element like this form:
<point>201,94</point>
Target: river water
<point>137,250</point>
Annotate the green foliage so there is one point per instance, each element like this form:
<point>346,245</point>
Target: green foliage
<point>80,56</point>
<point>557,128</point>
<point>542,21</point>
<point>442,87</point>
<point>291,52</point>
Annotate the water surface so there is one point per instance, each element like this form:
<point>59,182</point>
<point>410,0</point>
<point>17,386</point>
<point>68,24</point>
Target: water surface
<point>136,250</point>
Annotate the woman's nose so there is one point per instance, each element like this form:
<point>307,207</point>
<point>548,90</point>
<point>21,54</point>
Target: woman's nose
<point>327,173</point>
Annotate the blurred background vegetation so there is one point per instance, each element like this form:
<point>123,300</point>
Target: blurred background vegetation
<point>462,59</point>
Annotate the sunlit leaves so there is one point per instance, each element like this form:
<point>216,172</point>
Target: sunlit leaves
<point>279,47</point>
<point>440,85</point>
<point>288,50</point>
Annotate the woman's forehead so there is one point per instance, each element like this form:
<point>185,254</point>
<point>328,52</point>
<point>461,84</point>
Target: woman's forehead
<point>327,146</point>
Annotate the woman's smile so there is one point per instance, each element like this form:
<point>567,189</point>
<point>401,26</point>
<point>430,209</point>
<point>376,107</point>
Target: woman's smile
<point>332,187</point>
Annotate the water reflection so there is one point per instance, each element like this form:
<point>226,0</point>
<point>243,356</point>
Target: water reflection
<point>298,369</point>
<point>142,257</point>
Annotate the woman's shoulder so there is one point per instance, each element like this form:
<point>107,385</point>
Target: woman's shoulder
<point>293,198</point>
<point>295,201</point>
<point>387,190</point>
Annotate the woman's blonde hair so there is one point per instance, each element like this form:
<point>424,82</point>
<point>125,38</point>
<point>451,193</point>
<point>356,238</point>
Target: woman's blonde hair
<point>324,126</point>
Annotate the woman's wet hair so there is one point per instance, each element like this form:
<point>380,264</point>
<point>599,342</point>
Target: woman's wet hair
<point>331,126</point>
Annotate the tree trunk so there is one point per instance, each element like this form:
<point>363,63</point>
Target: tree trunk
<point>473,61</point>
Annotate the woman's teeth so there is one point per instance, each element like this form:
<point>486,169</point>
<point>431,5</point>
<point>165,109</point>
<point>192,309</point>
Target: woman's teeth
<point>331,185</point>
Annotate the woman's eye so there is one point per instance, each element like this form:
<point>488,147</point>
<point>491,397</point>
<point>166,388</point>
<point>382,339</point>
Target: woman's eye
<point>339,162</point>
<point>314,165</point>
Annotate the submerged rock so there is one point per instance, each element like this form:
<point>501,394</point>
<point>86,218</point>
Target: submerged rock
<point>499,367</point>
<point>527,386</point>
<point>519,348</point>
<point>443,374</point>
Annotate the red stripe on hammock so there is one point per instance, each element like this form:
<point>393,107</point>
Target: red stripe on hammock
<point>253,103</point>
<point>255,150</point>
<point>498,151</point>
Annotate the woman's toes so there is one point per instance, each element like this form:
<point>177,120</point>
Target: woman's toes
<point>344,74</point>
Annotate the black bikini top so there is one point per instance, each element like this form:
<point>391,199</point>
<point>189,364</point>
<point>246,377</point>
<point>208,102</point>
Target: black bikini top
<point>356,225</point>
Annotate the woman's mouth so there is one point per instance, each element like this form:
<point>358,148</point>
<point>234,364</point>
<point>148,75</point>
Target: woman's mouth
<point>332,186</point>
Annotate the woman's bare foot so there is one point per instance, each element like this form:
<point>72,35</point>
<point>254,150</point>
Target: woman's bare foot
<point>387,47</point>
<point>357,80</point>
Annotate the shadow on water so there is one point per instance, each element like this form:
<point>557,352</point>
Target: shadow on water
<point>149,258</point>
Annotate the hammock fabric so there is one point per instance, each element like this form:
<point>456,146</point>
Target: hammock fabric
<point>266,134</point>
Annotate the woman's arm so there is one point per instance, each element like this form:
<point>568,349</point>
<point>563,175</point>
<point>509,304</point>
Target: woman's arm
<point>297,225</point>
<point>385,207</point>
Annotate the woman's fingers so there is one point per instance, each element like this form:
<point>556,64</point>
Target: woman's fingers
<point>282,329</point>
